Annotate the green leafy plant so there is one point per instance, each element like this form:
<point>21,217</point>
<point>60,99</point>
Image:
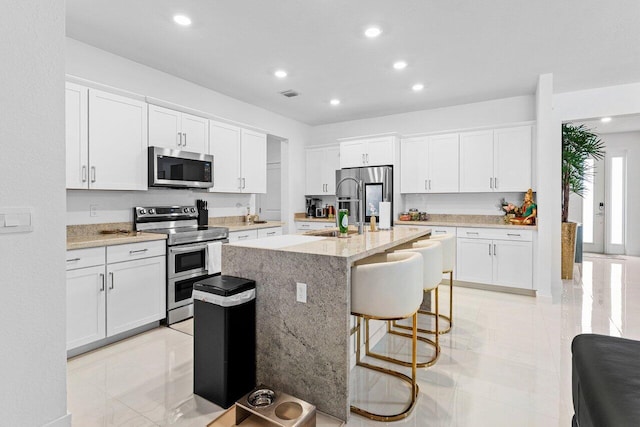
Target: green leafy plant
<point>578,144</point>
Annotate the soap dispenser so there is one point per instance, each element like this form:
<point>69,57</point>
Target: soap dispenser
<point>249,217</point>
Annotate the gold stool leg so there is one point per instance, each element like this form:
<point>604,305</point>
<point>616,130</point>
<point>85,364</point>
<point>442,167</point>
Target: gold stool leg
<point>410,380</point>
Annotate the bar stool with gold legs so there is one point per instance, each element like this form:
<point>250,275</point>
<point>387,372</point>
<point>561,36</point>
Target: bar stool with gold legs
<point>388,287</point>
<point>432,276</point>
<point>448,264</point>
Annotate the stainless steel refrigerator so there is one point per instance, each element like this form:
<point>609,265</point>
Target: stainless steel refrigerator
<point>378,187</point>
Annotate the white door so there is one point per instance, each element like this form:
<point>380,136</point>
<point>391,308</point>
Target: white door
<point>224,145</point>
<point>616,194</point>
<point>513,264</point>
<point>195,133</point>
<point>414,159</point>
<point>379,152</point>
<point>476,162</point>
<point>512,159</point>
<point>593,208</point>
<point>76,135</point>
<point>164,128</point>
<point>117,142</point>
<point>269,204</point>
<point>352,154</point>
<point>85,306</point>
<point>314,183</point>
<point>136,292</point>
<point>330,164</point>
<point>253,157</point>
<point>475,260</point>
<point>443,164</point>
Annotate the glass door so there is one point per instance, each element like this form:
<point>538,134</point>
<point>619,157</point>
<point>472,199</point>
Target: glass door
<point>616,202</point>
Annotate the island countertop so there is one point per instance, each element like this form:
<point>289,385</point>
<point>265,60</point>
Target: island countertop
<point>353,248</point>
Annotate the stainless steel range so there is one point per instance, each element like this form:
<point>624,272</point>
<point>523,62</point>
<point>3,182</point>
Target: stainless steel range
<point>193,252</point>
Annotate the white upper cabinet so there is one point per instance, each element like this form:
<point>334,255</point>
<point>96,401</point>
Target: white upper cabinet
<point>253,162</point>
<point>496,160</point>
<point>322,164</point>
<point>118,142</point>
<point>367,152</point>
<point>239,159</point>
<point>174,129</point>
<point>429,164</point>
<point>77,136</point>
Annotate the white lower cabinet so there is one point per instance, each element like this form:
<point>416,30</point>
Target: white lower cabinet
<point>302,226</point>
<point>269,232</point>
<point>236,236</point>
<point>495,257</point>
<point>106,299</point>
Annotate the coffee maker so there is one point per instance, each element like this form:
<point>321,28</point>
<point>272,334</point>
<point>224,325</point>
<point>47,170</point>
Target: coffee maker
<point>311,205</point>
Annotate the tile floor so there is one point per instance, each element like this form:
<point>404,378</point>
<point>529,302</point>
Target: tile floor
<point>507,362</point>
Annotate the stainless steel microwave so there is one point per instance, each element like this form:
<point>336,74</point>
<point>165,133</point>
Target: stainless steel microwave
<point>179,169</point>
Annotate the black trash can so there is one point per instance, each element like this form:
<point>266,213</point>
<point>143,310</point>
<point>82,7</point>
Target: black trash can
<point>224,339</point>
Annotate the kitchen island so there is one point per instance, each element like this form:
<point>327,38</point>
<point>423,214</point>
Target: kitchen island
<point>303,348</point>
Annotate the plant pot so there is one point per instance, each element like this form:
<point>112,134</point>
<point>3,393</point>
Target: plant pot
<point>568,249</point>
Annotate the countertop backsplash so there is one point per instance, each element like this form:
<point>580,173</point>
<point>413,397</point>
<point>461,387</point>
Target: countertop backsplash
<point>459,203</point>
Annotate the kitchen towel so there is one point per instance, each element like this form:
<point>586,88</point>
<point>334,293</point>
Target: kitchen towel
<point>214,257</point>
<point>385,216</point>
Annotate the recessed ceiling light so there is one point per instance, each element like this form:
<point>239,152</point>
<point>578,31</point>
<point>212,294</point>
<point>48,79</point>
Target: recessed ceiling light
<point>334,102</point>
<point>417,87</point>
<point>605,119</point>
<point>182,20</point>
<point>372,32</point>
<point>281,74</point>
<point>400,65</point>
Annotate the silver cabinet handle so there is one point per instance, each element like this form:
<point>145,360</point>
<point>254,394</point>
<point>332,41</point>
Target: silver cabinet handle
<point>429,184</point>
<point>472,232</point>
<point>495,183</point>
<point>489,249</point>
<point>440,232</point>
<point>101,282</point>
<point>513,234</point>
<point>494,249</point>
<point>271,233</point>
<point>73,260</point>
<point>363,158</point>
<point>367,158</point>
<point>179,139</point>
<point>304,226</point>
<point>244,183</point>
<point>112,280</point>
<point>240,183</point>
<point>138,251</point>
<point>84,173</point>
<point>244,236</point>
<point>184,144</point>
<point>425,184</point>
<point>490,182</point>
<point>93,174</point>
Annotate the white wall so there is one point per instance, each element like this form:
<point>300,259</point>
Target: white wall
<point>32,270</point>
<point>461,203</point>
<point>488,113</point>
<point>103,67</point>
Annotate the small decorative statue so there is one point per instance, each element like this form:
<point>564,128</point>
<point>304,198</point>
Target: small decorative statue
<point>525,215</point>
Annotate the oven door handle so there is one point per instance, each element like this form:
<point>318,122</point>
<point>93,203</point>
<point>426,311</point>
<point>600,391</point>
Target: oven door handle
<point>187,249</point>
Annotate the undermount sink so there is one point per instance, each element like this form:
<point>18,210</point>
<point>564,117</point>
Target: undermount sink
<point>329,233</point>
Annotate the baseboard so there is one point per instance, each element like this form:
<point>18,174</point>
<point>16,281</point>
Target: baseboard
<point>110,340</point>
<point>493,288</point>
<point>63,421</point>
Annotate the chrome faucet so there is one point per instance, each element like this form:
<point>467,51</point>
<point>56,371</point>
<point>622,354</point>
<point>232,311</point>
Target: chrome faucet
<point>358,199</point>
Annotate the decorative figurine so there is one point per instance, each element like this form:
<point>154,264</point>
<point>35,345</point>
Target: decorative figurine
<point>525,215</point>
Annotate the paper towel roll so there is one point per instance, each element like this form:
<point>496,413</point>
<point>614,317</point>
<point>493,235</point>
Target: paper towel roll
<point>385,216</point>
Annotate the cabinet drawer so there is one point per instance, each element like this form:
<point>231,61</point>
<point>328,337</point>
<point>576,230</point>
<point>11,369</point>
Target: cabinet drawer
<point>268,232</point>
<point>235,236</point>
<point>495,233</point>
<point>80,258</point>
<point>310,225</point>
<point>437,230</point>
<point>132,251</point>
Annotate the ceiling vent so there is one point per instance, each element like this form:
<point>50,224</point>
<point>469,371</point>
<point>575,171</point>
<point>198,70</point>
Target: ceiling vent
<point>289,93</point>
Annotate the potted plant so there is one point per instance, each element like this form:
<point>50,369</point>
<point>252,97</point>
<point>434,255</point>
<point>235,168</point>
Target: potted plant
<point>578,144</point>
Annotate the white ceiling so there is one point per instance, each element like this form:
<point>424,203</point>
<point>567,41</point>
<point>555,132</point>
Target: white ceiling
<point>463,51</point>
<point>628,123</point>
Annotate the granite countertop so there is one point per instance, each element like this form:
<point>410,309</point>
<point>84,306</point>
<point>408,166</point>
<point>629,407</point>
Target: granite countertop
<point>353,248</point>
<point>97,240</point>
<point>466,224</point>
<point>241,226</point>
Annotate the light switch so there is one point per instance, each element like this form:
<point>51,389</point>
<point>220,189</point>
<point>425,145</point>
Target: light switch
<point>15,220</point>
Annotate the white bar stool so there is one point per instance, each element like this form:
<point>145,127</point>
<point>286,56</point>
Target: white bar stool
<point>388,287</point>
<point>432,276</point>
<point>448,265</point>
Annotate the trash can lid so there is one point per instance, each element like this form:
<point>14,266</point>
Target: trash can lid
<point>224,285</point>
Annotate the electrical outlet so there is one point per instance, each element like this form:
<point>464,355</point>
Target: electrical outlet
<point>93,210</point>
<point>301,292</point>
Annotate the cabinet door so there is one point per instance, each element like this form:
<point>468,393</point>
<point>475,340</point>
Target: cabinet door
<point>314,182</point>
<point>352,154</point>
<point>512,159</point>
<point>164,128</point>
<point>77,136</point>
<point>330,164</point>
<point>195,133</point>
<point>443,163</point>
<point>379,152</point>
<point>476,161</point>
<point>118,142</point>
<point>414,159</point>
<point>136,294</point>
<point>224,145</point>
<point>253,156</point>
<point>513,264</point>
<point>85,306</point>
<point>474,261</point>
